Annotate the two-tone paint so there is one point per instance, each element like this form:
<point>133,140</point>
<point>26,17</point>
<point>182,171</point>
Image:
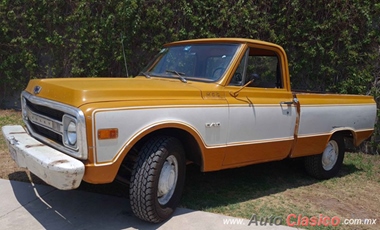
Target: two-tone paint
<point>257,125</point>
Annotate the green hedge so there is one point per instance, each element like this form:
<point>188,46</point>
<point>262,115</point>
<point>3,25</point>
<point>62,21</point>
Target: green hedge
<point>332,45</point>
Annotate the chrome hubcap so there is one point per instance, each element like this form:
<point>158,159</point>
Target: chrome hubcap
<point>330,155</point>
<point>168,180</point>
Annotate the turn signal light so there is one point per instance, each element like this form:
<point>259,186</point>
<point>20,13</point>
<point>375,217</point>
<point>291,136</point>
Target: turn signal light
<point>104,134</point>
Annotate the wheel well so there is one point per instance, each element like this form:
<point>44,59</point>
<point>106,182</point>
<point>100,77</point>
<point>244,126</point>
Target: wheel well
<point>349,138</point>
<point>190,145</point>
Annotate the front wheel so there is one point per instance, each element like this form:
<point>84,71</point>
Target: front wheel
<point>327,164</point>
<point>157,179</point>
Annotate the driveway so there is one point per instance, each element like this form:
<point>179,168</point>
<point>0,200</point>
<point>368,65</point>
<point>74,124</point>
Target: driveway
<point>28,206</point>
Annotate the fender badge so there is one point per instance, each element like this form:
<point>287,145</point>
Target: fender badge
<point>37,89</point>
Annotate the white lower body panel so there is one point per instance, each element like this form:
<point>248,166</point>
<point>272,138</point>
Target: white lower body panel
<point>54,167</point>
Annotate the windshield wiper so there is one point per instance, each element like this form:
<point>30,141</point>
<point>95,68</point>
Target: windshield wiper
<point>179,75</point>
<point>145,74</point>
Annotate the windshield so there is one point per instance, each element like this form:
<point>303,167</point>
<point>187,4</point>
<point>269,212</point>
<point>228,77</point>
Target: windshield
<point>204,62</point>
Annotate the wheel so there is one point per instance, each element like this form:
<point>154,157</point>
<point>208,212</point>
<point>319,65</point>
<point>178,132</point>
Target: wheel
<point>157,179</point>
<point>327,164</point>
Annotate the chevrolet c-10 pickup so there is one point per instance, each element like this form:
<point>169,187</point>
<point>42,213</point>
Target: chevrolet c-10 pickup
<point>219,103</point>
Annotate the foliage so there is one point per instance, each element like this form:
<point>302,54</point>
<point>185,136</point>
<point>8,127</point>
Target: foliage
<point>331,45</point>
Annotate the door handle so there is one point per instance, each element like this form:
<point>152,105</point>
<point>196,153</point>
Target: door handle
<point>286,102</point>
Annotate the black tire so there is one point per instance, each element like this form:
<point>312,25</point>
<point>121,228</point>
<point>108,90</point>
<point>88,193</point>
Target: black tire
<point>327,164</point>
<point>150,200</point>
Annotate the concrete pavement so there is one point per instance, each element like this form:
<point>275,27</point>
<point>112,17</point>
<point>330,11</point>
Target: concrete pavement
<point>28,206</point>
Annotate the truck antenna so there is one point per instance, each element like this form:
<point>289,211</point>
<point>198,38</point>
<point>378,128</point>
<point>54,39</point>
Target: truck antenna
<point>125,60</point>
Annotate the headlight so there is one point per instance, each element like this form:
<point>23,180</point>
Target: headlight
<point>70,132</point>
<point>24,108</point>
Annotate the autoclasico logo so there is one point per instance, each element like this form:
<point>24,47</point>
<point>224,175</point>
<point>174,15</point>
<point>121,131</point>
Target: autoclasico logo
<point>293,220</point>
<point>321,220</point>
<point>262,221</point>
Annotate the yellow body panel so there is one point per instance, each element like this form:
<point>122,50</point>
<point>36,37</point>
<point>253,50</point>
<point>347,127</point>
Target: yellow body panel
<point>322,99</point>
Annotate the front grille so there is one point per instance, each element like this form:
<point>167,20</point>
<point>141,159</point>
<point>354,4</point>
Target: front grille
<point>46,111</point>
<point>45,120</point>
<point>47,133</point>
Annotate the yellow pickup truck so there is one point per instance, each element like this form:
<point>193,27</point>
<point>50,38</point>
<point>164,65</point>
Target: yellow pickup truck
<point>219,103</point>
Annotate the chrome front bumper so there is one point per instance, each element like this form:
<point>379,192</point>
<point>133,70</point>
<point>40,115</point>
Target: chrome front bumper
<point>54,167</point>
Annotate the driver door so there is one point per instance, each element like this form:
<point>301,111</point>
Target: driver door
<point>261,117</point>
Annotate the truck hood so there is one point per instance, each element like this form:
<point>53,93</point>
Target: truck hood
<point>79,91</point>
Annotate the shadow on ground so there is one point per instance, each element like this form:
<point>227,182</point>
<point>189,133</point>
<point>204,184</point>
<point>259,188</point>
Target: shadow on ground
<point>58,210</point>
<point>214,189</point>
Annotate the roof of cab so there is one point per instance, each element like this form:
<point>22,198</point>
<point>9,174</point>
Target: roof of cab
<point>221,40</point>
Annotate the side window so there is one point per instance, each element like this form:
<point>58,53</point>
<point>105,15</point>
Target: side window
<point>239,75</point>
<point>265,71</point>
<point>261,66</point>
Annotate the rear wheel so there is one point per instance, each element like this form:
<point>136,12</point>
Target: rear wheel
<point>327,164</point>
<point>157,179</point>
